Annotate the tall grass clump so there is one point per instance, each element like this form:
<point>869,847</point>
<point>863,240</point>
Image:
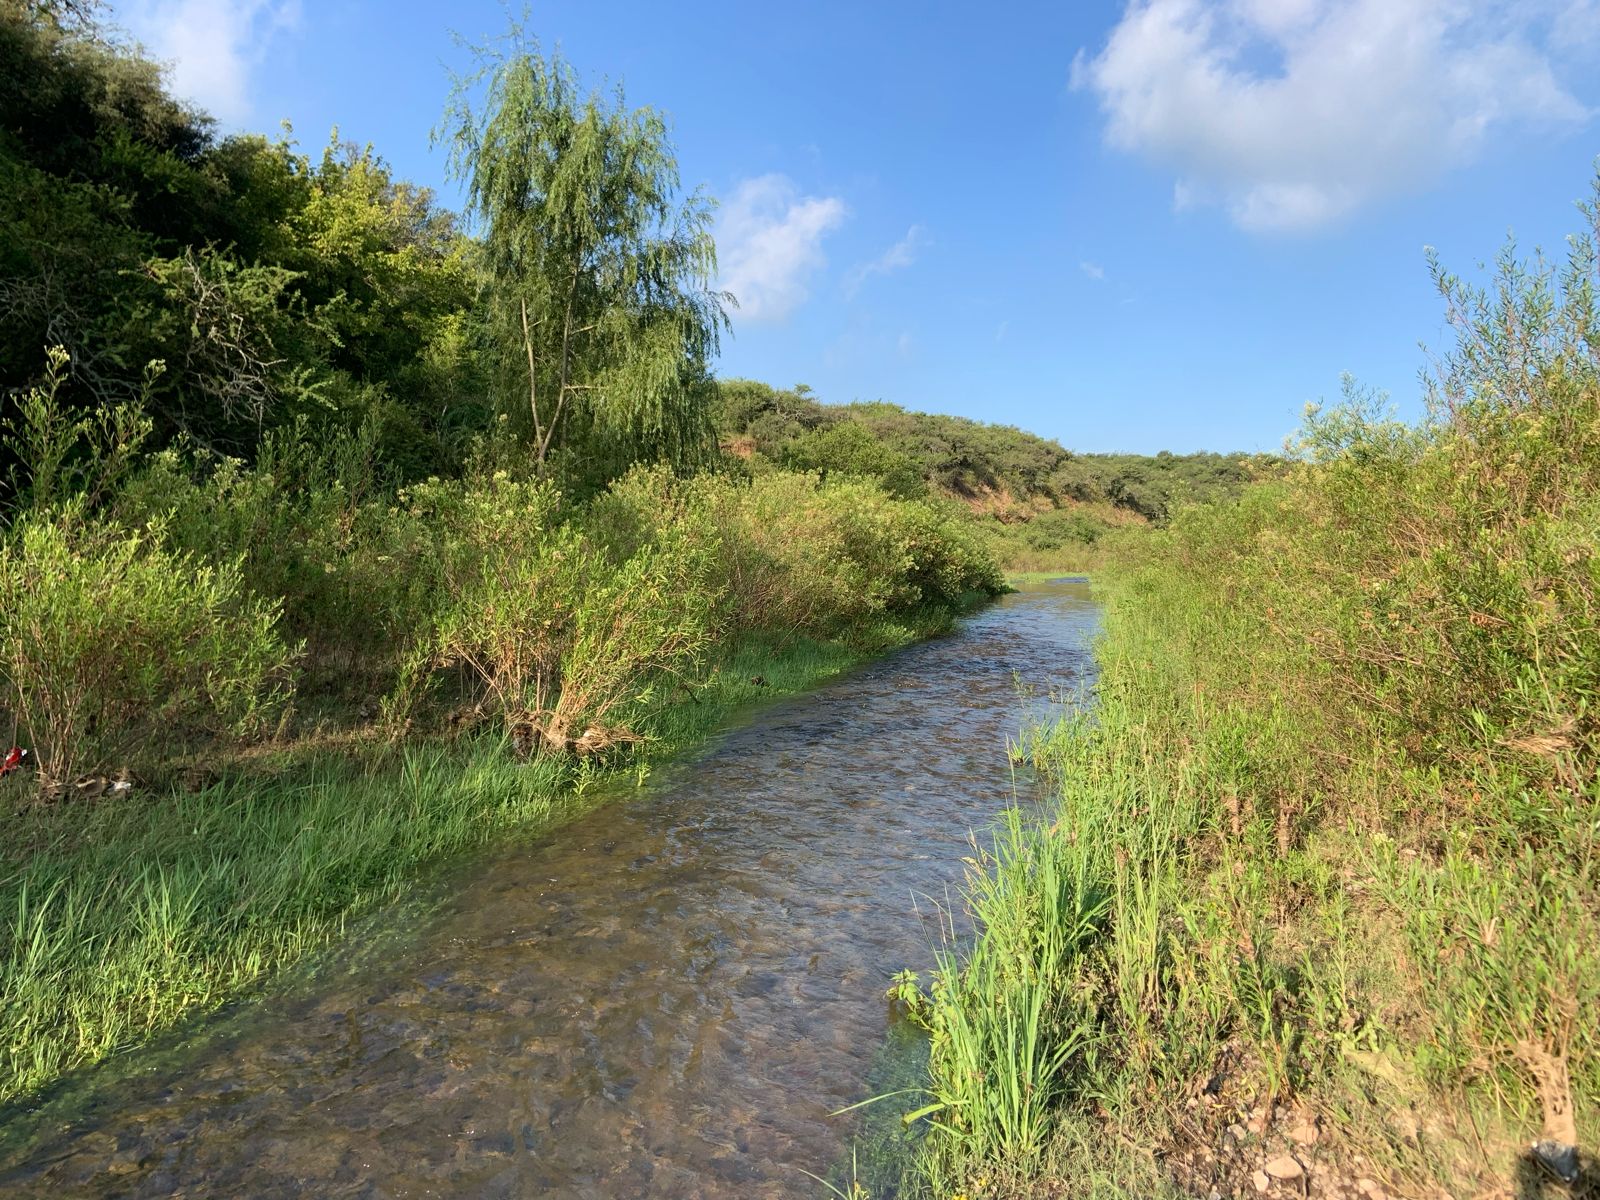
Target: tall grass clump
<point>1009,1031</point>
<point>1338,790</point>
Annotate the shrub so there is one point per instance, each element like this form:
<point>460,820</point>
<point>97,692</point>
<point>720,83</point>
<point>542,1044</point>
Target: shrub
<point>557,632</point>
<point>313,526</point>
<point>107,638</point>
<point>791,553</point>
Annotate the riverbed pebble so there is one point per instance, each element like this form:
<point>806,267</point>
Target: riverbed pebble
<point>1284,1166</point>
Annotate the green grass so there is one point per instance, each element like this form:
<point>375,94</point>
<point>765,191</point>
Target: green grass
<point>123,918</point>
<point>127,916</point>
<point>1005,1032</point>
<point>1374,968</point>
<point>1324,848</point>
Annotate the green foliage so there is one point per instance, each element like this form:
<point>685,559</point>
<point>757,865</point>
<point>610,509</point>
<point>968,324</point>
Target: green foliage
<point>602,315</point>
<point>1007,1023</point>
<point>793,552</point>
<point>1035,505</point>
<point>1007,471</point>
<point>1156,486</point>
<point>108,636</point>
<point>107,639</point>
<point>63,457</point>
<point>122,918</point>
<point>906,997</point>
<point>273,288</point>
<point>314,526</point>
<point>1338,787</point>
<point>849,448</point>
<point>906,451</point>
<point>1080,537</point>
<point>556,631</point>
<point>265,464</point>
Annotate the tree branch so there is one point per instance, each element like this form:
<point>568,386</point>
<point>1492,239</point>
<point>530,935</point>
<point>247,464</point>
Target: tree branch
<point>533,379</point>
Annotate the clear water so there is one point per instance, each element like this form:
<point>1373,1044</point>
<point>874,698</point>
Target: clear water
<point>667,997</point>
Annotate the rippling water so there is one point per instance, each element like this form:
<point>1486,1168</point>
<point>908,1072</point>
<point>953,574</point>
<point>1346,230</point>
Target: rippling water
<point>665,998</point>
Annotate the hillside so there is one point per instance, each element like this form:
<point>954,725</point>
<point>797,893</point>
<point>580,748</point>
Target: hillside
<point>1036,499</point>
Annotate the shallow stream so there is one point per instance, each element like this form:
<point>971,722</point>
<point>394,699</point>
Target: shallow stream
<point>667,997</point>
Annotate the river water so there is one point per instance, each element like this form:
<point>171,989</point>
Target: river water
<point>667,997</point>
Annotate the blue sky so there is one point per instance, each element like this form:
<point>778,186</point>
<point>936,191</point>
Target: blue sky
<point>1161,225</point>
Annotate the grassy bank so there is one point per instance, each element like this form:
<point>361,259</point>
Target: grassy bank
<point>1319,911</point>
<point>126,918</point>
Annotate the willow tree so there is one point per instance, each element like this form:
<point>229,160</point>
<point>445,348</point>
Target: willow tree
<point>600,278</point>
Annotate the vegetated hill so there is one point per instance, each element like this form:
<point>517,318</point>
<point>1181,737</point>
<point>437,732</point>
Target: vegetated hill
<point>1041,496</point>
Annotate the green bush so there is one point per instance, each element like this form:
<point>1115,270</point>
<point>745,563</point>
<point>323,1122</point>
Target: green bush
<point>107,639</point>
<point>555,630</point>
<point>793,553</point>
<point>315,526</point>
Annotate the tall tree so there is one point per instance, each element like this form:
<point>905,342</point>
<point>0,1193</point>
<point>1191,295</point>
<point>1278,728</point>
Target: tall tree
<point>600,278</point>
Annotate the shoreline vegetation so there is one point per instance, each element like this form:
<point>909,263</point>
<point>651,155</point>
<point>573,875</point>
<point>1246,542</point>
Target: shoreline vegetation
<point>340,532</point>
<point>1317,910</point>
<point>130,918</point>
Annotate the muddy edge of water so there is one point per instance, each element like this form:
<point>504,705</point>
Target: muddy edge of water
<point>668,997</point>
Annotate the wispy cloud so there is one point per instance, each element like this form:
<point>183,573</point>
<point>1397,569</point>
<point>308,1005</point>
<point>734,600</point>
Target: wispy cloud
<point>897,257</point>
<point>1577,25</point>
<point>212,47</point>
<point>1292,114</point>
<point>769,243</point>
<point>1093,270</point>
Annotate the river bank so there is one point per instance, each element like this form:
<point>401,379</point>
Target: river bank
<point>134,916</point>
<point>666,996</point>
<point>1317,910</point>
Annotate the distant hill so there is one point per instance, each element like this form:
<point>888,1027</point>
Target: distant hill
<point>998,471</point>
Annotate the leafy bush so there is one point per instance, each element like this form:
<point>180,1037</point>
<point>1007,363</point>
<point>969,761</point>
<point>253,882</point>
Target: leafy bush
<point>791,552</point>
<point>849,448</point>
<point>315,526</point>
<point>558,632</point>
<point>107,638</point>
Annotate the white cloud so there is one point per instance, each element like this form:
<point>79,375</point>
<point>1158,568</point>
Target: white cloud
<point>212,46</point>
<point>1577,25</point>
<point>1294,113</point>
<point>769,242</point>
<point>897,257</point>
<point>1093,270</point>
